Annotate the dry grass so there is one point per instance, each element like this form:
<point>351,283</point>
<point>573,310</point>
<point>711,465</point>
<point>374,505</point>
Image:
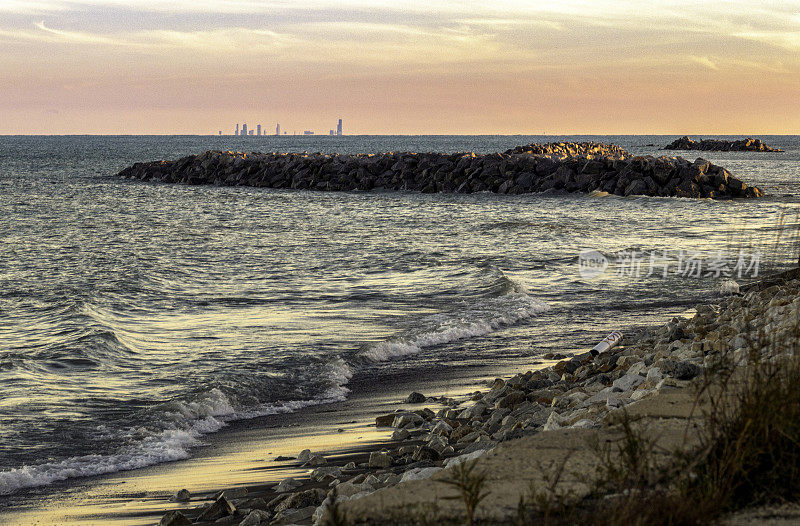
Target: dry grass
<point>749,454</point>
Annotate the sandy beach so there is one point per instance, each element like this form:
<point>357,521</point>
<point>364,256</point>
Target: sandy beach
<point>401,480</point>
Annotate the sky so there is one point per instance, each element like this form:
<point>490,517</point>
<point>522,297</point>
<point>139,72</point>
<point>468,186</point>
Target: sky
<point>400,67</point>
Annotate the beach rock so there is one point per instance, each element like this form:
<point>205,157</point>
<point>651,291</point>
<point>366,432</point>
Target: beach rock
<point>385,420</point>
<point>323,473</point>
<point>348,489</point>
<point>174,518</point>
<point>442,428</point>
<point>286,485</point>
<point>681,370</point>
<point>222,507</point>
<point>294,516</point>
<point>316,460</point>
<point>400,434</point>
<point>628,382</point>
<point>256,517</point>
<point>511,399</point>
<point>379,459</point>
<point>304,456</point>
<point>415,398</point>
<point>476,410</point>
<point>181,496</point>
<point>302,499</point>
<point>407,420</point>
<point>425,453</point>
<point>419,473</point>
<point>232,493</point>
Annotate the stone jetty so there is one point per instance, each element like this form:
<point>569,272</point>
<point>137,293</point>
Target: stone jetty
<point>717,145</point>
<point>570,167</point>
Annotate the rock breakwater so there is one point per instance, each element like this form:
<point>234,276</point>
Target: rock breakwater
<point>570,167</point>
<point>717,145</point>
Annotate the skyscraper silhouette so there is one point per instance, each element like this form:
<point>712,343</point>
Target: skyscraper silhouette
<point>278,129</point>
<point>244,129</point>
<point>237,129</point>
<point>339,128</point>
<point>259,130</point>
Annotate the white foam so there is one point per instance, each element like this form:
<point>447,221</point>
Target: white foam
<point>188,421</point>
<point>482,319</point>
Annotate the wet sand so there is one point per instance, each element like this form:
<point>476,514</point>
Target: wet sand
<point>241,456</point>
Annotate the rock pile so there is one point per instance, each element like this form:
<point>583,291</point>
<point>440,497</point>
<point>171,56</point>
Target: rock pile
<point>717,145</point>
<point>577,392</point>
<point>569,167</point>
<point>589,150</point>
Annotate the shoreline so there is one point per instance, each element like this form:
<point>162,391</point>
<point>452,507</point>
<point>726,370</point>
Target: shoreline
<point>372,491</point>
<point>148,506</point>
<point>242,454</point>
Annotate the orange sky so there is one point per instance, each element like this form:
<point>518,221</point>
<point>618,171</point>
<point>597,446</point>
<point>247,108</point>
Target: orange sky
<point>406,67</point>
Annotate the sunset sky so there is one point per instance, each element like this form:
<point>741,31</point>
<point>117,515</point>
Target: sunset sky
<point>406,67</point>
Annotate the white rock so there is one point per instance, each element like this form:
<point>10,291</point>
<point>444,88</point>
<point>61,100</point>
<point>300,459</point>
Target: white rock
<point>654,374</point>
<point>419,474</point>
<point>442,428</point>
<point>637,368</point>
<point>256,517</point>
<point>455,461</point>
<point>554,421</point>
<point>406,419</point>
<point>287,484</point>
<point>628,382</point>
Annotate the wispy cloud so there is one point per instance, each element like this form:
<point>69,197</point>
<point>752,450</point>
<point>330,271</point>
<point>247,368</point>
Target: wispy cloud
<point>784,39</point>
<point>705,62</point>
<point>222,40</point>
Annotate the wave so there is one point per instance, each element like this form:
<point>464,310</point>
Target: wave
<point>186,422</point>
<point>172,429</point>
<point>486,317</point>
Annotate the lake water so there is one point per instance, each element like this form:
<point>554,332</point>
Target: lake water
<point>136,318</point>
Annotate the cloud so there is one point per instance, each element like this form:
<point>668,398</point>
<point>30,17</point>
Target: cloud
<point>704,61</point>
<point>222,40</point>
<point>783,39</point>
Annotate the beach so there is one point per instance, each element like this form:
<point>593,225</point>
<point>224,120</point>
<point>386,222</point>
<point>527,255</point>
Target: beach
<point>650,375</point>
<point>203,331</point>
<point>650,380</point>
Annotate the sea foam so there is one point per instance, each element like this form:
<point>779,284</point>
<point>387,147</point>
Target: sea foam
<point>484,318</point>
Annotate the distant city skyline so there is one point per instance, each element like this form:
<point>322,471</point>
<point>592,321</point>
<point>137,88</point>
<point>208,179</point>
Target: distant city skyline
<point>413,67</point>
<point>258,131</point>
